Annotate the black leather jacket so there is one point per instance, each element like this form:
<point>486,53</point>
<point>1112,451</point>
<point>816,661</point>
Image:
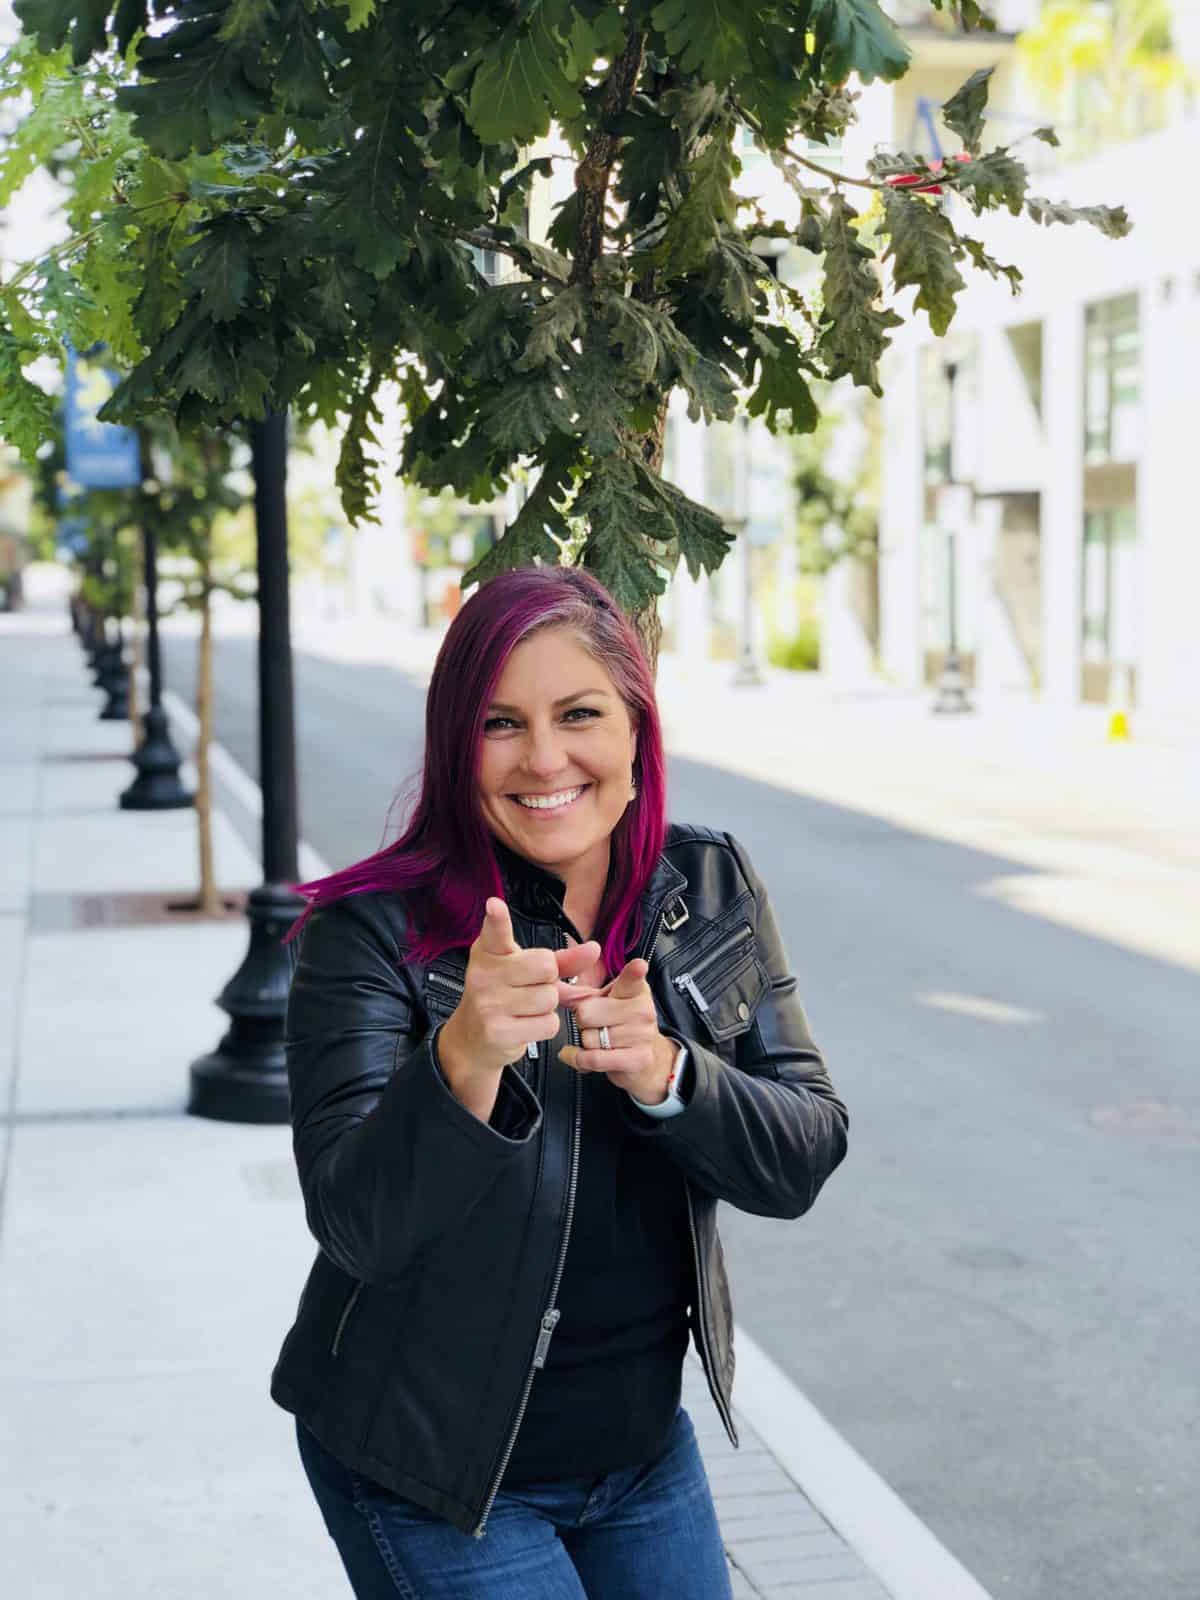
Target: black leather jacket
<point>442,1238</point>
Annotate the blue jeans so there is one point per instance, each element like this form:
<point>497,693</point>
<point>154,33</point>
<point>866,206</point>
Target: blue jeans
<point>639,1534</point>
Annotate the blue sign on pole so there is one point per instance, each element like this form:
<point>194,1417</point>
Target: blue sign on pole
<point>100,455</point>
<point>73,536</point>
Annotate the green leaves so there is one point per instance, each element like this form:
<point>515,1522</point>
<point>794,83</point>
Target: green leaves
<point>539,529</point>
<point>300,70</point>
<point>521,81</point>
<point>921,248</point>
<point>980,258</point>
<point>1112,221</point>
<point>707,37</point>
<point>856,36</point>
<point>355,474</point>
<point>853,328</point>
<point>26,413</point>
<point>707,208</point>
<point>993,179</point>
<point>782,389</point>
<point>55,22</point>
<point>552,327</point>
<point>220,266</point>
<point>963,112</point>
<point>701,537</point>
<point>197,86</point>
<point>286,202</point>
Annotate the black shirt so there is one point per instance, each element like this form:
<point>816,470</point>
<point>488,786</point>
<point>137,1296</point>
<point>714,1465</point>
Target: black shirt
<point>609,1391</point>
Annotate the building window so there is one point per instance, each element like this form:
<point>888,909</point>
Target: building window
<point>1111,381</point>
<point>1109,586</point>
<point>1025,341</point>
<point>1110,596</point>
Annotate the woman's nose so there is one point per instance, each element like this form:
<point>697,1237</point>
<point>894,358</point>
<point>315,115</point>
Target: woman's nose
<point>544,752</point>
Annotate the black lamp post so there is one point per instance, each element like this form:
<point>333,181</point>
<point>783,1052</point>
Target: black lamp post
<point>112,676</point>
<point>245,1078</point>
<point>157,786</point>
<point>952,685</point>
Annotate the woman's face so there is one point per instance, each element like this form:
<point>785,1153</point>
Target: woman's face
<point>558,733</point>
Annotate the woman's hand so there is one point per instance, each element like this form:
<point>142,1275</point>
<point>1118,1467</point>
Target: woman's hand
<point>639,1059</point>
<point>510,998</point>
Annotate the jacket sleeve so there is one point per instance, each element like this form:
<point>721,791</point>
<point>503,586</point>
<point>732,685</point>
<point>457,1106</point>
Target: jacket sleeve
<point>389,1160</point>
<point>765,1135</point>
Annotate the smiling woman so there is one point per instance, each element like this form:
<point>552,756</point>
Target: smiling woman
<point>530,1046</point>
<point>556,775</point>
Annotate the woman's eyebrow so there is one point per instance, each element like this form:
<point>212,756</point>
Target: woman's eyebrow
<point>501,705</point>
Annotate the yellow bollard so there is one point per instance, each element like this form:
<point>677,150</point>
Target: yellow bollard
<point>1118,703</point>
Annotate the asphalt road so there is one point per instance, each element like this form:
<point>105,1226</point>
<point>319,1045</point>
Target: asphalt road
<point>996,1300</point>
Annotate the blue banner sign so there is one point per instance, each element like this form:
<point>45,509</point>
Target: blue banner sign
<point>73,536</point>
<point>100,455</point>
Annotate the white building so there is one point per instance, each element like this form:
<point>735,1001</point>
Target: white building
<point>1078,551</point>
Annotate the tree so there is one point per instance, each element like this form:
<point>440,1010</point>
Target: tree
<point>293,198</point>
<point>194,511</point>
<point>1108,70</point>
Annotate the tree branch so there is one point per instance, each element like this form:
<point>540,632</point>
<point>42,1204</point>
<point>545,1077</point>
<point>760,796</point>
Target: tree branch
<point>594,171</point>
<point>485,241</point>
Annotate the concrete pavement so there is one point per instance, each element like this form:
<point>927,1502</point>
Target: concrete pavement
<point>150,1261</point>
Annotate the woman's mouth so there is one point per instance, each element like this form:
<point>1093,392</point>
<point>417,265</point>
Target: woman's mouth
<point>550,805</point>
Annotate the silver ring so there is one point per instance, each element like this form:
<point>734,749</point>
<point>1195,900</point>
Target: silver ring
<point>605,1042</point>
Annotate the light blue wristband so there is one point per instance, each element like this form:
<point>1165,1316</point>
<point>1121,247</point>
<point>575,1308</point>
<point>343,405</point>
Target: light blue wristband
<point>675,1102</point>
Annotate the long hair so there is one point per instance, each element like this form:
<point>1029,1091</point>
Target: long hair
<point>445,863</point>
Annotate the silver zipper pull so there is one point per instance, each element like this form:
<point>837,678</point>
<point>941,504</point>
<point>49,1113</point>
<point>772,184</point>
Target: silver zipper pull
<point>531,1050</point>
<point>686,981</point>
<point>549,1323</point>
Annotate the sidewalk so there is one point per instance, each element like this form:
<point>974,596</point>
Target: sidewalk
<point>149,1261</point>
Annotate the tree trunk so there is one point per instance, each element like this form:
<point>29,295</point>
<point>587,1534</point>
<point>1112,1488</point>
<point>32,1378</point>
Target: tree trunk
<point>210,899</point>
<point>647,622</point>
<point>135,665</point>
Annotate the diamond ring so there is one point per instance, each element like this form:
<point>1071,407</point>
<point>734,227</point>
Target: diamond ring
<point>605,1042</point>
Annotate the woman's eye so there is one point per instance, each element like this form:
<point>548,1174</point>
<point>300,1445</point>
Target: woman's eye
<point>497,724</point>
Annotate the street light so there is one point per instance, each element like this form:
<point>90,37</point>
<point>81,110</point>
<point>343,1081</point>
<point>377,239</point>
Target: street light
<point>157,786</point>
<point>748,674</point>
<point>952,687</point>
<point>245,1078</point>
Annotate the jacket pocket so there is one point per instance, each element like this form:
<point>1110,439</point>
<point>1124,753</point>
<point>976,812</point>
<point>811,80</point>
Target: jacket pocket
<point>339,1332</point>
<point>724,983</point>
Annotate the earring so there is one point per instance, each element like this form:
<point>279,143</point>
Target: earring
<point>633,791</point>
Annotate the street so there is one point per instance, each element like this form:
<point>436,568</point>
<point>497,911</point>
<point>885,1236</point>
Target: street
<point>996,1299</point>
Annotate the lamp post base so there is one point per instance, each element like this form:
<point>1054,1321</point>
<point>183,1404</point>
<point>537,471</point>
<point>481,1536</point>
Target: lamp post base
<point>748,674</point>
<point>245,1078</point>
<point>116,686</point>
<point>952,694</point>
<point>157,786</point>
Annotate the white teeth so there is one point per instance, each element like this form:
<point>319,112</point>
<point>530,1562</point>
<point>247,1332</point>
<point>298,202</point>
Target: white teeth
<point>549,802</point>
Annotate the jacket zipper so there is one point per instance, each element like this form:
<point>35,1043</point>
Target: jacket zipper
<point>351,1302</point>
<point>710,1371</point>
<point>551,1314</point>
<point>687,980</point>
